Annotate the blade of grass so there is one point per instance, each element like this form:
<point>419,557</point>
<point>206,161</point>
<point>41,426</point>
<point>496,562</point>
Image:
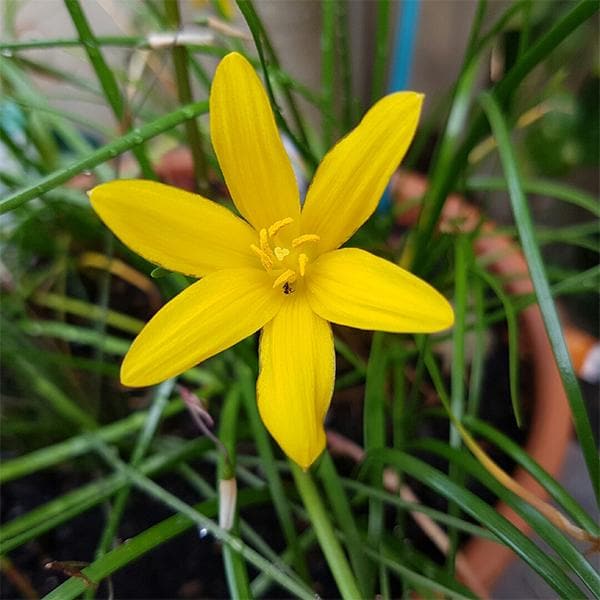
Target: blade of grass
<point>541,187</point>
<point>462,258</point>
<point>444,179</point>
<point>485,514</point>
<point>144,542</point>
<point>554,488</point>
<point>264,47</point>
<point>535,263</point>
<point>478,356</point>
<point>262,582</point>
<point>342,511</point>
<point>382,42</point>
<point>406,505</point>
<point>106,79</point>
<point>374,431</point>
<point>265,451</point>
<point>115,148</point>
<point>82,308</point>
<point>159,493</point>
<point>184,91</point>
<point>153,417</point>
<point>343,41</point>
<point>53,394</point>
<point>513,341</point>
<point>78,445</point>
<point>65,507</point>
<point>328,70</point>
<point>444,153</point>
<point>566,552</point>
<point>235,566</point>
<point>112,345</point>
<point>421,582</point>
<point>248,532</point>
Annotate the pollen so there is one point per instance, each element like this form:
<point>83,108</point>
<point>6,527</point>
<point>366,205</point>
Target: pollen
<point>305,239</point>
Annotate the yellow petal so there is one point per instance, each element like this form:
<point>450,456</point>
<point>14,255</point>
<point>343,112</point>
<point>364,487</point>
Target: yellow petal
<point>173,228</point>
<point>352,287</point>
<point>209,316</point>
<point>352,177</point>
<point>255,165</point>
<point>295,384</point>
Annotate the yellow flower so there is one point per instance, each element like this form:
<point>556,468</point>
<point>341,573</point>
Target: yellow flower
<point>277,268</point>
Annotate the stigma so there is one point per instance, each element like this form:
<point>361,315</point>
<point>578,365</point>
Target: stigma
<point>284,257</point>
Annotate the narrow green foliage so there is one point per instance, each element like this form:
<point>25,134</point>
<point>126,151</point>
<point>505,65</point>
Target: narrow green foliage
<point>336,495</point>
<point>328,10</point>
<point>143,543</point>
<point>462,258</point>
<point>65,328</point>
<point>265,451</point>
<point>544,295</point>
<point>483,513</point>
<point>235,567</point>
<point>107,80</point>
<point>382,42</point>
<point>513,341</point>
<point>374,429</point>
<point>184,92</point>
<point>115,148</point>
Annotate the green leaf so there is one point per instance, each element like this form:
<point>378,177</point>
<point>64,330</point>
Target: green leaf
<point>108,152</point>
<point>564,549</point>
<point>554,488</point>
<point>482,512</point>
<point>537,271</point>
<point>143,543</point>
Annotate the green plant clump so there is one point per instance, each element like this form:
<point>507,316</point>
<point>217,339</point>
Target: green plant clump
<point>424,432</point>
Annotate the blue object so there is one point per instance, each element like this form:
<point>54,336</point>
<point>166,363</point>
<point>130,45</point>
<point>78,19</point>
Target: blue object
<point>402,60</point>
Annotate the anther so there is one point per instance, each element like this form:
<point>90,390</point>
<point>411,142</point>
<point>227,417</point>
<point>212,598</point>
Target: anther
<point>278,225</point>
<point>264,244</point>
<point>267,263</point>
<point>302,261</point>
<point>280,253</point>
<point>287,276</point>
<point>304,239</point>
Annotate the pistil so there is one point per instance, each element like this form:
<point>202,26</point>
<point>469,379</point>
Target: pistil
<point>285,262</point>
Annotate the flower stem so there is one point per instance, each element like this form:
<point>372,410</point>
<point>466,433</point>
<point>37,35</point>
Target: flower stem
<point>184,91</point>
<point>325,534</point>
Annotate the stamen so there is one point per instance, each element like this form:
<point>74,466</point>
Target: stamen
<point>303,239</point>
<point>278,225</point>
<point>280,253</point>
<point>267,263</point>
<point>264,244</point>
<point>287,276</point>
<point>302,261</point>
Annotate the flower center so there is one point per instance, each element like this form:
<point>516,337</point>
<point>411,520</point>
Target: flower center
<point>282,256</point>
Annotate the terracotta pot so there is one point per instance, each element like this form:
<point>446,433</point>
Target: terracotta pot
<point>550,426</point>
